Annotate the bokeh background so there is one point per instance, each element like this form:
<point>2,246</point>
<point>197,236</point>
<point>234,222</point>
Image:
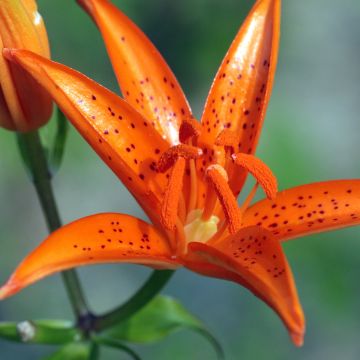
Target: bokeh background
<point>311,133</point>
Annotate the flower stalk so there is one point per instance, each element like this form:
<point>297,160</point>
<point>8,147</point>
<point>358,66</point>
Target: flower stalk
<point>144,295</point>
<point>34,156</point>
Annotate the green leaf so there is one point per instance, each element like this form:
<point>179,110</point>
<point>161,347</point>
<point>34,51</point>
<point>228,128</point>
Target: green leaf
<point>40,332</point>
<point>73,351</point>
<point>161,317</point>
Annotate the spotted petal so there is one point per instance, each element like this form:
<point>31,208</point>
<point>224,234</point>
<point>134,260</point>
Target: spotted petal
<point>125,141</point>
<point>241,90</point>
<point>145,79</point>
<point>255,259</point>
<point>308,209</point>
<point>95,239</point>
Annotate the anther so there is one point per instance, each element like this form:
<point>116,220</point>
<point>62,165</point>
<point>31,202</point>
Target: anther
<point>169,208</point>
<point>260,171</point>
<point>217,177</point>
<point>169,157</point>
<point>189,128</point>
<point>227,139</point>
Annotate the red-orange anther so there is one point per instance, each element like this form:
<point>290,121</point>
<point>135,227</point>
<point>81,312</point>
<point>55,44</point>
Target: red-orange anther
<point>169,208</point>
<point>260,171</point>
<point>189,128</point>
<point>169,157</point>
<point>227,138</point>
<point>216,175</point>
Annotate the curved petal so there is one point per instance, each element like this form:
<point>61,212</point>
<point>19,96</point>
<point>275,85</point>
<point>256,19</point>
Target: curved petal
<point>145,79</point>
<point>308,209</point>
<point>259,262</point>
<point>95,239</point>
<point>242,87</point>
<point>126,142</point>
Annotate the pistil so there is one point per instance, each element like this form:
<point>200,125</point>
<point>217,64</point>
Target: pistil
<point>217,177</point>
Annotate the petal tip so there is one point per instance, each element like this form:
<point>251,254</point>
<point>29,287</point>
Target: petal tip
<point>8,289</point>
<point>297,338</point>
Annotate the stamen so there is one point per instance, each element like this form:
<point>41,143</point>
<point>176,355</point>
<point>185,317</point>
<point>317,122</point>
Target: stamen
<point>180,238</point>
<point>170,205</point>
<point>169,157</point>
<point>182,208</point>
<point>216,175</point>
<point>189,128</point>
<point>193,186</point>
<point>228,139</point>
<point>209,205</point>
<point>260,171</point>
<point>249,198</point>
<point>211,196</point>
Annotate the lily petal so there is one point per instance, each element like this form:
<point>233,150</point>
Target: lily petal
<point>125,141</point>
<point>145,79</point>
<point>242,87</point>
<point>308,209</point>
<point>259,262</point>
<point>101,238</point>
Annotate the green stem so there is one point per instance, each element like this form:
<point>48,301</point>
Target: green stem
<point>146,293</point>
<point>34,156</point>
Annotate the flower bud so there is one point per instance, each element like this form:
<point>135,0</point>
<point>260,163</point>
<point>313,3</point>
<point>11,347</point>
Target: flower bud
<point>24,104</point>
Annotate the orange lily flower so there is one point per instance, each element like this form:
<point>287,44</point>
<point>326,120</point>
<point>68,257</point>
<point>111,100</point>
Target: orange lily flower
<point>24,105</point>
<point>186,176</point>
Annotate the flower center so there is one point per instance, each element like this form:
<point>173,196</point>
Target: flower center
<point>180,212</point>
<point>199,230</point>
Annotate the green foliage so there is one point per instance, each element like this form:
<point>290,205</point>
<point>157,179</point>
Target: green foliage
<point>73,351</point>
<point>161,317</point>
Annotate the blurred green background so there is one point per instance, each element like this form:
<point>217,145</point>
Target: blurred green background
<point>311,133</point>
